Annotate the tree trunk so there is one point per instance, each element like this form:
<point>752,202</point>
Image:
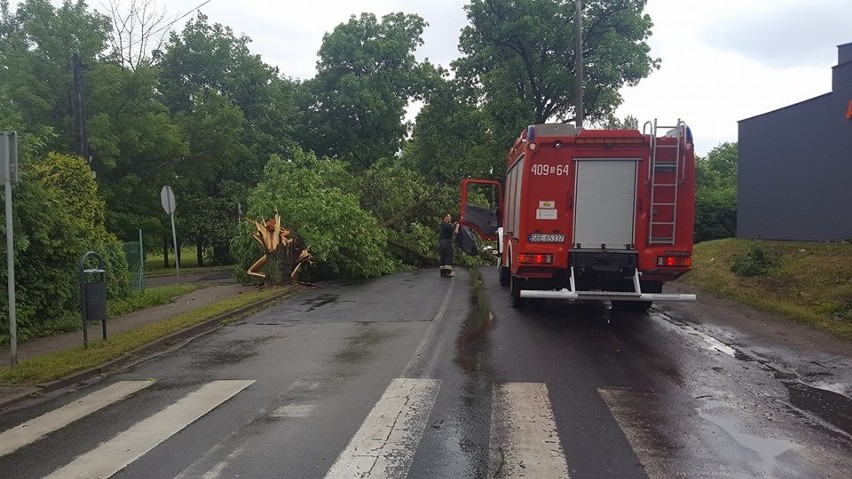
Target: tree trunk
<point>199,252</point>
<point>166,251</point>
<point>279,265</point>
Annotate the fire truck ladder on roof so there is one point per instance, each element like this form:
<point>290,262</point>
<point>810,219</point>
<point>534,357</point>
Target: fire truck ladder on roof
<point>664,175</point>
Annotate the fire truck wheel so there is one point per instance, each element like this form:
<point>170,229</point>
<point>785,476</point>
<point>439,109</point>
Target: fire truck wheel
<point>515,286</point>
<point>504,275</point>
<point>632,306</point>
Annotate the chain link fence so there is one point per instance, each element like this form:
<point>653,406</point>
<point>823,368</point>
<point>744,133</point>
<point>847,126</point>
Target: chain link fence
<point>136,263</point>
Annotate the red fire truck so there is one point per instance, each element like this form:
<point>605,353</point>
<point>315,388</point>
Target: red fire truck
<point>590,214</point>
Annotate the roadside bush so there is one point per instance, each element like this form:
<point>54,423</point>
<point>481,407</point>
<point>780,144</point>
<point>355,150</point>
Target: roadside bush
<point>58,217</point>
<point>756,261</point>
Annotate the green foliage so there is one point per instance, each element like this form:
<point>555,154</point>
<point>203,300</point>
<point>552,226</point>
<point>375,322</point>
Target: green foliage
<point>756,261</point>
<point>38,41</point>
<point>716,194</point>
<point>520,55</point>
<point>136,147</point>
<point>58,217</point>
<point>629,122</point>
<point>366,74</point>
<point>451,139</point>
<point>149,298</point>
<point>235,112</point>
<point>346,240</point>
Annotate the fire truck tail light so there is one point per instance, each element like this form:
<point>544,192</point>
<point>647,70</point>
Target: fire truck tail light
<point>674,261</point>
<point>531,258</point>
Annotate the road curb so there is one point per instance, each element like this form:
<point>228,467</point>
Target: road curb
<point>132,357</point>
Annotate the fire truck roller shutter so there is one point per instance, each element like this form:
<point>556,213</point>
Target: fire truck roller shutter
<point>605,203</point>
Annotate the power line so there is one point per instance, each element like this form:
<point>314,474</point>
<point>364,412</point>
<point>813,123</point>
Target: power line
<point>169,25</point>
<point>182,17</point>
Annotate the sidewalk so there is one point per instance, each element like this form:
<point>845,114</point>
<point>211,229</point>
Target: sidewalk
<point>218,286</point>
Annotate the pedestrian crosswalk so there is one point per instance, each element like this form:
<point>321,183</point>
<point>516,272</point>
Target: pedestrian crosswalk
<point>523,442</point>
<point>31,431</point>
<point>115,454</point>
<point>385,443</point>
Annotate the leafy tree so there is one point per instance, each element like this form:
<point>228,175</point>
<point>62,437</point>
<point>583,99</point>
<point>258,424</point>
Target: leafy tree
<point>137,147</point>
<point>629,122</point>
<point>451,139</point>
<point>36,46</point>
<point>366,75</point>
<point>346,240</point>
<point>235,111</point>
<point>716,193</point>
<point>210,59</point>
<point>520,53</point>
<point>206,177</point>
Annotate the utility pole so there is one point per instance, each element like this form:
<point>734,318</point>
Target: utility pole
<point>9,173</point>
<point>578,60</point>
<point>79,105</point>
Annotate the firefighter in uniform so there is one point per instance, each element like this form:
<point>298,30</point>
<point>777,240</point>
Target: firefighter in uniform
<point>445,245</point>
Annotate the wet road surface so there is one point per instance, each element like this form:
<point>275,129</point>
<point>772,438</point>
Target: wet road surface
<point>410,376</point>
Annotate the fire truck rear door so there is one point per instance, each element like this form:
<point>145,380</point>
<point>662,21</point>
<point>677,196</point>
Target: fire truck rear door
<point>605,203</point>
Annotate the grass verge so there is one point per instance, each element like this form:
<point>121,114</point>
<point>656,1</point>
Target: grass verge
<point>188,262</point>
<point>809,282</point>
<point>150,297</point>
<point>71,321</point>
<point>57,365</point>
<point>160,272</point>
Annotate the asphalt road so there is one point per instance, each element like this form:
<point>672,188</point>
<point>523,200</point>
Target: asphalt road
<point>401,377</point>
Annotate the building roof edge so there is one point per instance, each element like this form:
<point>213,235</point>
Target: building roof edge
<point>786,107</point>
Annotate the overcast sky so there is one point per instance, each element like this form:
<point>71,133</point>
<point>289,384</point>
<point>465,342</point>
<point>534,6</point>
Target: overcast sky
<point>722,60</point>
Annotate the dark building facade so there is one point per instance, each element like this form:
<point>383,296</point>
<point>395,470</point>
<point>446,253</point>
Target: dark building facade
<point>795,166</point>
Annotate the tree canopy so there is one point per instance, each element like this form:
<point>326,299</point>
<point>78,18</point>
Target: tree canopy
<point>366,75</point>
<point>716,193</point>
<point>520,55</point>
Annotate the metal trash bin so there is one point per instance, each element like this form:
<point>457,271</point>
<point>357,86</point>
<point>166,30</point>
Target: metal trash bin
<point>92,294</point>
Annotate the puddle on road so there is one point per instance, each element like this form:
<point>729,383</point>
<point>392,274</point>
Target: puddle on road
<point>472,340</point>
<point>766,447</point>
<point>231,352</point>
<point>360,345</point>
<point>320,300</point>
<point>834,408</point>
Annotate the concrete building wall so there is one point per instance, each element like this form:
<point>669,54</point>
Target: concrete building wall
<point>795,167</point>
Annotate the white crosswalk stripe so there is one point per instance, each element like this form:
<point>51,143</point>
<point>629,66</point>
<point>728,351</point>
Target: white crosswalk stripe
<point>623,404</point>
<point>384,446</point>
<point>33,430</point>
<point>524,441</point>
<point>115,454</point>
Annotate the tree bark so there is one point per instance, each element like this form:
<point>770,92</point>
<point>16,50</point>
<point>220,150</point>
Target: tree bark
<point>199,252</point>
<point>166,251</point>
<point>430,260</point>
<point>279,265</point>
